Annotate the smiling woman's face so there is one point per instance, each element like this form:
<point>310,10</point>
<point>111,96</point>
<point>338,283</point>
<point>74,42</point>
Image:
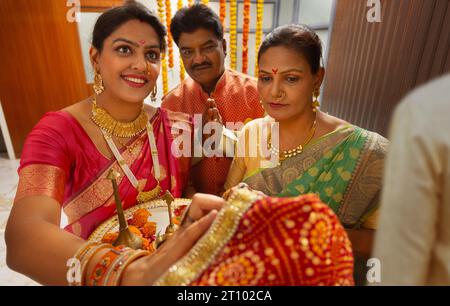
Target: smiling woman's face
<point>286,83</point>
<point>129,62</point>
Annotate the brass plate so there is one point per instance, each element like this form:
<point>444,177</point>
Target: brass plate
<point>158,209</point>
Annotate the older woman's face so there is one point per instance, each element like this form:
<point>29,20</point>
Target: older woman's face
<point>286,83</point>
<point>130,61</point>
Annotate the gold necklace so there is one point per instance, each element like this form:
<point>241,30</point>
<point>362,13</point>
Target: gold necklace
<point>128,147</point>
<point>143,196</point>
<point>296,151</point>
<point>117,128</point>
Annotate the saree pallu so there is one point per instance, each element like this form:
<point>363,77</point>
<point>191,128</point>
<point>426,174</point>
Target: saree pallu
<point>264,241</point>
<point>344,168</point>
<point>60,161</point>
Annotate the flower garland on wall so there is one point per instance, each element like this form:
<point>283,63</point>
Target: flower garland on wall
<point>223,12</point>
<point>259,31</point>
<point>233,33</point>
<point>245,32</point>
<point>169,35</point>
<point>182,70</point>
<point>205,2</point>
<point>165,79</point>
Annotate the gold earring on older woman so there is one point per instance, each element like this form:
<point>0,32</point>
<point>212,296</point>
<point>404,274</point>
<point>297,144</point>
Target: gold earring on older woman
<point>98,83</point>
<point>316,103</point>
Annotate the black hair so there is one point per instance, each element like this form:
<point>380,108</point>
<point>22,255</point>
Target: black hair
<point>113,18</point>
<point>190,19</point>
<point>298,37</point>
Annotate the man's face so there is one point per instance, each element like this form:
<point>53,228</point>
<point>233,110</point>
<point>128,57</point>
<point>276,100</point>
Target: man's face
<point>203,56</point>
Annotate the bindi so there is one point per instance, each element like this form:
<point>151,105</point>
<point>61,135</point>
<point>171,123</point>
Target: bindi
<point>275,70</point>
<point>142,42</point>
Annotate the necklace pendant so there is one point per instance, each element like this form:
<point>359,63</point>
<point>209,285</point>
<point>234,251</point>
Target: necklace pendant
<point>147,196</point>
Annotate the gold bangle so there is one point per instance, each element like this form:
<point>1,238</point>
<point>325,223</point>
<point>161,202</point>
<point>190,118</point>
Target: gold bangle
<point>80,254</point>
<point>111,275</point>
<point>88,257</point>
<point>133,257</point>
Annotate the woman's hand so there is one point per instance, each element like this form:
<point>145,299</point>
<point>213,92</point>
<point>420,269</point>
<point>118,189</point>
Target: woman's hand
<point>200,216</point>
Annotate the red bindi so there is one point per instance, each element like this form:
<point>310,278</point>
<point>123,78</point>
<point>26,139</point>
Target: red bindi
<point>142,42</point>
<point>275,70</point>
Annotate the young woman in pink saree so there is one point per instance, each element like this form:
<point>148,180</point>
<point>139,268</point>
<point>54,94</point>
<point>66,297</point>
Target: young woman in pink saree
<point>68,154</point>
<point>61,161</point>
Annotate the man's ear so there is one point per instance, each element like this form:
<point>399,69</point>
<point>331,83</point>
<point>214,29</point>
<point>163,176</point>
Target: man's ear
<point>224,46</point>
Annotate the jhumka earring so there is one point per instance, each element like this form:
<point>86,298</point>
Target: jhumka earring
<point>154,93</point>
<point>316,103</point>
<point>98,83</point>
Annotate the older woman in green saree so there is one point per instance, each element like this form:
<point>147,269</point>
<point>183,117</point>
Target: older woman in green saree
<point>317,153</point>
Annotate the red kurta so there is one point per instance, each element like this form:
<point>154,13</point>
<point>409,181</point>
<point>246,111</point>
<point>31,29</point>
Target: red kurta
<point>237,100</point>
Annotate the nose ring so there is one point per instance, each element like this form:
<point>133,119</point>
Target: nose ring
<point>280,95</point>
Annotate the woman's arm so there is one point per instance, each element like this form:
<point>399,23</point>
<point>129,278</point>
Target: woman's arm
<point>36,246</point>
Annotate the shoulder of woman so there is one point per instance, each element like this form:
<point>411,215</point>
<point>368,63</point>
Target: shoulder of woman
<point>256,123</point>
<point>377,143</point>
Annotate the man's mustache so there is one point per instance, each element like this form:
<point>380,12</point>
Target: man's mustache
<point>200,66</point>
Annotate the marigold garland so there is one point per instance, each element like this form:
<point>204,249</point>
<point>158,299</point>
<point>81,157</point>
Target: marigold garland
<point>259,31</point>
<point>205,2</point>
<point>245,31</point>
<point>223,12</point>
<point>233,32</point>
<point>165,79</point>
<point>190,2</point>
<point>169,35</point>
<point>182,70</point>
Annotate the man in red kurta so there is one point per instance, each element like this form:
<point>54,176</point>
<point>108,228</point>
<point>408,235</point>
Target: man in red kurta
<point>198,32</point>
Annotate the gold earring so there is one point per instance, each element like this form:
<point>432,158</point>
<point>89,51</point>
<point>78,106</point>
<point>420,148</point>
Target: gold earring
<point>98,83</point>
<point>154,93</point>
<point>316,103</point>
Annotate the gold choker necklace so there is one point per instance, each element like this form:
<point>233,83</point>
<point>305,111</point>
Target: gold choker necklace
<point>114,127</point>
<point>296,151</point>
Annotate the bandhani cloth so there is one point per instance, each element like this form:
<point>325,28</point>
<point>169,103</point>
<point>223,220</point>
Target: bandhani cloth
<point>237,100</point>
<point>266,241</point>
<point>60,161</point>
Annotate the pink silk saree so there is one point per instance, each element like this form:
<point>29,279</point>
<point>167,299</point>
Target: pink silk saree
<point>60,161</point>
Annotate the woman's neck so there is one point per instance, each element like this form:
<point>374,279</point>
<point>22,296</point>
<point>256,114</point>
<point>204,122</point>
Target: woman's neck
<point>119,109</point>
<point>297,130</point>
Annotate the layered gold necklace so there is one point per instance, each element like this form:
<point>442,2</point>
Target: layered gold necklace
<point>109,126</point>
<point>297,150</point>
<point>117,128</point>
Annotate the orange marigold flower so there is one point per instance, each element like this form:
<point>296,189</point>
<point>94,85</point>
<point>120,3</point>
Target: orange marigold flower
<point>140,217</point>
<point>149,229</point>
<point>135,230</point>
<point>110,237</point>
<point>147,245</point>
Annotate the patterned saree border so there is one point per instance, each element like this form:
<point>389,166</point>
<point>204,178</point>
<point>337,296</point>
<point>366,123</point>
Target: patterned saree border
<point>369,173</point>
<point>41,180</point>
<point>197,260</point>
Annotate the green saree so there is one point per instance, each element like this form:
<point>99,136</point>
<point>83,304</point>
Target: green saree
<point>344,168</point>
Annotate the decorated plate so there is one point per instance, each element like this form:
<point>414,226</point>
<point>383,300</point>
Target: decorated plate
<point>157,215</point>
